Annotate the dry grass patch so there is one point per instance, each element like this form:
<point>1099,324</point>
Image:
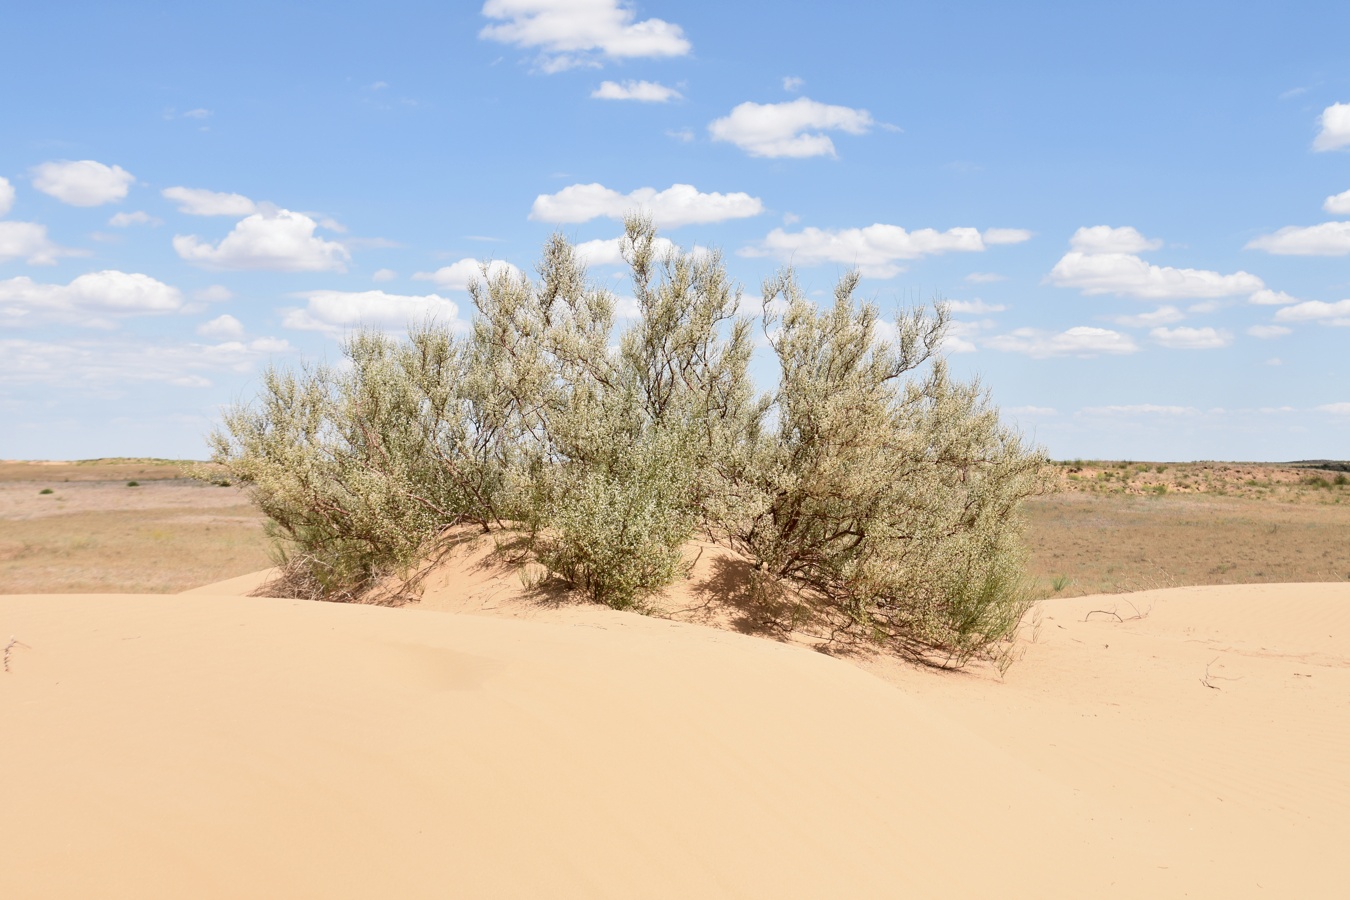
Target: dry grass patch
<point>93,533</point>
<point>1125,526</point>
<point>136,551</point>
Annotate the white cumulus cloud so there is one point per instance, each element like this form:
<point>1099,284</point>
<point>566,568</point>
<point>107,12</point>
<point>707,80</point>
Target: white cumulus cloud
<point>1266,332</point>
<point>873,250</point>
<point>1338,409</point>
<point>83,182</point>
<point>28,241</point>
<point>792,129</point>
<point>793,83</point>
<point>1267,297</point>
<point>1185,338</point>
<point>222,327</point>
<point>1335,133</point>
<point>459,275</point>
<point>1083,340</point>
<point>384,275</point>
<point>570,33</point>
<point>679,204</point>
<point>609,252</point>
<point>1104,260</point>
<point>201,202</point>
<point>1105,239</point>
<point>339,312</point>
<point>1338,204</point>
<point>641,91</point>
<point>279,241</point>
<point>1337,313</point>
<point>1326,239</point>
<point>1128,275</point>
<point>6,196</point>
<point>88,300</point>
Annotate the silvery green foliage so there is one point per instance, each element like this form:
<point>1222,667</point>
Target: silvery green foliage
<point>614,441</point>
<point>616,529</point>
<point>868,474</point>
<point>360,467</point>
<point>897,498</point>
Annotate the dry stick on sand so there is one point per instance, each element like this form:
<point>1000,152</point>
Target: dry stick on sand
<point>13,642</point>
<point>1112,612</point>
<point>1206,681</point>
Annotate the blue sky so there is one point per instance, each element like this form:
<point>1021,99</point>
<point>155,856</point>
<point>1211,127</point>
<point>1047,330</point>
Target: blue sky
<point>1140,213</point>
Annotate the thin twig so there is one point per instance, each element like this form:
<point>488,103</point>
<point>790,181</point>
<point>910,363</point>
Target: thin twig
<point>13,642</point>
<point>1206,681</point>
<point>1112,612</point>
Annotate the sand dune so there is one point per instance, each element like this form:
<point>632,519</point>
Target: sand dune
<point>214,745</point>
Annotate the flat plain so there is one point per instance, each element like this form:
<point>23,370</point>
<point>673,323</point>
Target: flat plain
<point>121,526</point>
<point>1113,527</point>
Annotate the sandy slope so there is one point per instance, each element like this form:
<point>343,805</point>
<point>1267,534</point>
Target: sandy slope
<point>206,745</point>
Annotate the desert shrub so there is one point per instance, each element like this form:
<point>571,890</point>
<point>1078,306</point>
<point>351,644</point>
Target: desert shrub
<point>359,468</point>
<point>896,499</point>
<point>869,476</point>
<point>614,448</point>
<point>616,531</point>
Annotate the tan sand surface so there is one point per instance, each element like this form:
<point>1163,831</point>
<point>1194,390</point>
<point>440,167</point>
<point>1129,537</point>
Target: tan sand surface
<point>209,745</point>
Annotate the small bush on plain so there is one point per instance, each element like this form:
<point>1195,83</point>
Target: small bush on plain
<point>868,476</point>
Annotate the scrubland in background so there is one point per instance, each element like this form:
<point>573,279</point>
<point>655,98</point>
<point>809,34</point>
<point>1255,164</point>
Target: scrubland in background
<point>94,534</point>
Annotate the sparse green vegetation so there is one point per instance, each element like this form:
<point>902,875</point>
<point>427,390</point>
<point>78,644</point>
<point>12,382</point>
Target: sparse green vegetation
<point>868,477</point>
<point>133,484</point>
<point>46,491</point>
